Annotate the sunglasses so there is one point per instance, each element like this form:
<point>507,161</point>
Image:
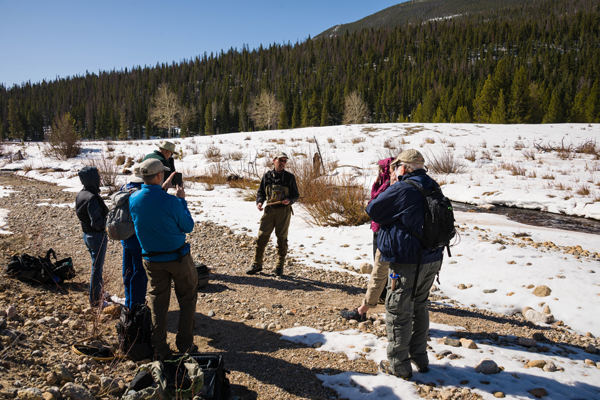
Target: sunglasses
<point>282,160</point>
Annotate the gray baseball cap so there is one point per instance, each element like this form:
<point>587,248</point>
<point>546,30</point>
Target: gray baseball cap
<point>152,166</point>
<point>281,154</point>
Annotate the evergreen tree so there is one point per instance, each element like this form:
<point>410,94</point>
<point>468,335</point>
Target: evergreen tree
<point>462,116</point>
<point>486,101</point>
<point>315,110</point>
<point>554,113</point>
<point>283,119</point>
<point>520,107</point>
<point>296,121</point>
<point>208,120</point>
<point>577,113</point>
<point>439,118</point>
<point>418,114</point>
<point>305,114</point>
<point>123,128</point>
<point>592,104</point>
<point>148,128</point>
<point>499,112</point>
<point>14,122</point>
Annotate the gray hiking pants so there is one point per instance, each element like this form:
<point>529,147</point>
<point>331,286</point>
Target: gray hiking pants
<point>407,321</point>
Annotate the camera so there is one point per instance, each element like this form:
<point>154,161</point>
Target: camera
<point>177,179</point>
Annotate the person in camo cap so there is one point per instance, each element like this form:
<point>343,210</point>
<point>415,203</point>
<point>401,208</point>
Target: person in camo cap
<point>278,189</point>
<point>398,210</point>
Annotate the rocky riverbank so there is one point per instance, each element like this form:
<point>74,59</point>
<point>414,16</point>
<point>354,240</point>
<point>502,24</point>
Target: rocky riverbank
<point>237,315</point>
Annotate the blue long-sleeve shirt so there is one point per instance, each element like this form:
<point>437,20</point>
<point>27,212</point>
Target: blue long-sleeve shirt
<point>161,222</point>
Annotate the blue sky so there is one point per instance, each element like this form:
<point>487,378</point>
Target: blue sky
<point>45,39</point>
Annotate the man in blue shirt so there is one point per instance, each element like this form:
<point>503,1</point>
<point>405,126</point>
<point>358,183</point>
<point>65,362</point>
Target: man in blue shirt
<point>161,222</point>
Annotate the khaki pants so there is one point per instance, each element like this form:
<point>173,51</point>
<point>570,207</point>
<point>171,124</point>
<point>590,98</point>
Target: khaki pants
<point>377,281</point>
<point>185,278</point>
<point>407,321</point>
<point>278,219</point>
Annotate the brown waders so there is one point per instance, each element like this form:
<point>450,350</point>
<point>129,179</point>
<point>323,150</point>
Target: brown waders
<point>278,219</point>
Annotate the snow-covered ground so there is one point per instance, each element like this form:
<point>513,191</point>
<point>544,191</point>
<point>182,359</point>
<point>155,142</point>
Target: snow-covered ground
<point>509,168</point>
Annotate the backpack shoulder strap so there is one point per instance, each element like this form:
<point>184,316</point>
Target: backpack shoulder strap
<point>420,188</point>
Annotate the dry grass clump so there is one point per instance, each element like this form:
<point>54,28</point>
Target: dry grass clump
<point>589,146</point>
<point>358,139</point>
<point>429,140</point>
<point>110,146</point>
<point>519,145</point>
<point>561,186</point>
<point>234,155</point>
<point>445,163</point>
<point>212,153</point>
<point>583,190</point>
<point>390,144</point>
<point>529,154</point>
<point>329,203</point>
<point>330,140</point>
<point>486,155</point>
<point>120,159</point>
<point>471,155</point>
<point>548,176</point>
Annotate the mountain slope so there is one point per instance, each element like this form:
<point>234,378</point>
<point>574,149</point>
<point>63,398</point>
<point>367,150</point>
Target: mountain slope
<point>415,10</point>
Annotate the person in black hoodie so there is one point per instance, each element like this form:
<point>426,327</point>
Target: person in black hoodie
<point>92,211</point>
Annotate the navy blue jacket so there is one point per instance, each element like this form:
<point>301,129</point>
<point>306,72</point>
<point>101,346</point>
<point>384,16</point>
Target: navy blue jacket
<point>399,207</point>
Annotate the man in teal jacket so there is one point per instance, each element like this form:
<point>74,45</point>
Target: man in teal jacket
<point>161,222</point>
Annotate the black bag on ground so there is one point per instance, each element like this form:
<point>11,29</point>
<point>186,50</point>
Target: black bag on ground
<point>202,271</point>
<point>216,383</point>
<point>134,329</point>
<point>42,270</point>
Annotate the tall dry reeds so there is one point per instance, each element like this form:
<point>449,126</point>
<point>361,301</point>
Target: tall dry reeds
<point>329,202</point>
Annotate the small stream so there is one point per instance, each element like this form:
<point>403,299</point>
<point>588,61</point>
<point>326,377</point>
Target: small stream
<point>538,218</point>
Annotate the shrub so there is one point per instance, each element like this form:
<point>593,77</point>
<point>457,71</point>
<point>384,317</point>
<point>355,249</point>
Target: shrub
<point>445,163</point>
<point>212,153</point>
<point>107,169</point>
<point>589,147</point>
<point>330,140</point>
<point>329,203</point>
<point>470,155</point>
<point>358,139</point>
<point>120,159</point>
<point>583,190</point>
<point>529,154</point>
<point>64,140</point>
<point>429,140</point>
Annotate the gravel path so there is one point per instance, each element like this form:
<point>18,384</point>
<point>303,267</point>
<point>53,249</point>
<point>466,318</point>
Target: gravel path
<point>237,315</point>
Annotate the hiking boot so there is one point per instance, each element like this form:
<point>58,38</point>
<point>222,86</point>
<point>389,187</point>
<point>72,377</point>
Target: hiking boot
<point>422,370</point>
<point>353,314</point>
<point>386,368</point>
<point>279,270</point>
<point>255,269</point>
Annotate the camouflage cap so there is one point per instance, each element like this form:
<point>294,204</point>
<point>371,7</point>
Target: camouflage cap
<point>410,156</point>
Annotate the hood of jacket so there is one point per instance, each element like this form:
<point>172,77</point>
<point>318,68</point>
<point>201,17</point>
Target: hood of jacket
<point>90,179</point>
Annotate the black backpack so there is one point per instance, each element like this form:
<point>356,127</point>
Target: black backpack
<point>41,270</point>
<point>135,332</point>
<point>438,226</point>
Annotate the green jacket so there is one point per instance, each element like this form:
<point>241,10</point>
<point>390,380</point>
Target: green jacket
<point>159,156</point>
